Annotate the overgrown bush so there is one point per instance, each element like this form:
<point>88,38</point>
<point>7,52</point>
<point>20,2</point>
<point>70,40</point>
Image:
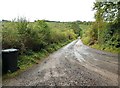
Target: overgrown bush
<point>35,36</point>
<point>10,37</point>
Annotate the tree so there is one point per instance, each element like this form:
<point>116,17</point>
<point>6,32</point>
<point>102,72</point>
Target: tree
<point>107,21</point>
<point>76,28</point>
<point>99,18</point>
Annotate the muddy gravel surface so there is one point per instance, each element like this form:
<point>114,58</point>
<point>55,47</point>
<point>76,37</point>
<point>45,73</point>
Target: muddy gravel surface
<point>73,65</point>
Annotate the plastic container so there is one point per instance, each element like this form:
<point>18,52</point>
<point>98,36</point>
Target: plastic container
<point>9,60</point>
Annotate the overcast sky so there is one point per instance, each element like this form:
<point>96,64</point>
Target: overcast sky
<point>57,10</point>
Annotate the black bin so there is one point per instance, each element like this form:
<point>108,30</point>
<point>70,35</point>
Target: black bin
<point>9,60</point>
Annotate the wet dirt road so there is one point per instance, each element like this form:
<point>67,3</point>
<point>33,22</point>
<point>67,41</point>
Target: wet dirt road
<point>73,65</point>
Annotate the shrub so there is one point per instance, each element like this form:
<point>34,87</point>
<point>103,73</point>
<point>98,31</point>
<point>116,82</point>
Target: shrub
<point>34,36</point>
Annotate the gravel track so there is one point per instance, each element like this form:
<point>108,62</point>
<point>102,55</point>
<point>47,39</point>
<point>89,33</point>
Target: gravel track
<point>73,65</point>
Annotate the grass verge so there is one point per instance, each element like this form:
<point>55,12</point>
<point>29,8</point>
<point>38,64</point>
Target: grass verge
<point>104,47</point>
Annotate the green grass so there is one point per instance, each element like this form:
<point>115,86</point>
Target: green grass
<point>84,27</point>
<point>106,48</point>
<point>60,26</point>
